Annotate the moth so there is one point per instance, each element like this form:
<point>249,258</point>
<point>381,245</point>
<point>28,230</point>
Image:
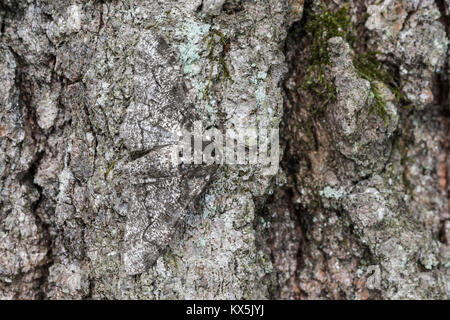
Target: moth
<point>155,193</point>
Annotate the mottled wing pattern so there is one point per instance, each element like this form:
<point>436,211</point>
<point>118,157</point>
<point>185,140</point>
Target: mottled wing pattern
<point>155,193</point>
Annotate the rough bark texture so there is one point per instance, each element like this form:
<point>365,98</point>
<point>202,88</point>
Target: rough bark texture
<point>359,208</point>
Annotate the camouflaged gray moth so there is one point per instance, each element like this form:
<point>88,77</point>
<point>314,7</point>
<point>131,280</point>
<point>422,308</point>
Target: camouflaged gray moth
<point>155,193</point>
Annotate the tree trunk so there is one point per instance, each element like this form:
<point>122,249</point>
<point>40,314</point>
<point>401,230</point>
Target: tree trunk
<point>93,206</point>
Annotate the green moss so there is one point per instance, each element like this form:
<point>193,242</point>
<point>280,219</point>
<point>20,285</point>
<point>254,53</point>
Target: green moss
<point>213,39</point>
<point>110,168</point>
<point>368,67</point>
<point>324,25</point>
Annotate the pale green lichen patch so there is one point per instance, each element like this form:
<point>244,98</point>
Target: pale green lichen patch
<point>330,193</point>
<point>260,94</point>
<point>193,32</point>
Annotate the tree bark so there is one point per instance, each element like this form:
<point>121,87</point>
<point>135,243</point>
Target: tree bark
<point>90,90</point>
